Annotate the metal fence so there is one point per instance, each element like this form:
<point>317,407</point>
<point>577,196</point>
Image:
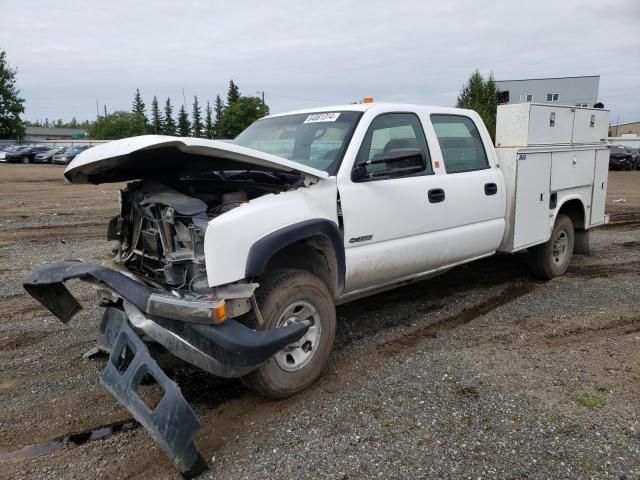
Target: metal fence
<point>55,143</point>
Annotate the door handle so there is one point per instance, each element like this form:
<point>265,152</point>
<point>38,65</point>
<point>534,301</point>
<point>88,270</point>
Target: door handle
<point>490,189</point>
<point>436,195</point>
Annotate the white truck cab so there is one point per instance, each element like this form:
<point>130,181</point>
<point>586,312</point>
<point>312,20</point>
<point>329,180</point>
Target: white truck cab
<point>233,255</point>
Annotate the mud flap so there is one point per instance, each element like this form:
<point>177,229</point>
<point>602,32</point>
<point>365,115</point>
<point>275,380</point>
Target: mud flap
<point>172,423</point>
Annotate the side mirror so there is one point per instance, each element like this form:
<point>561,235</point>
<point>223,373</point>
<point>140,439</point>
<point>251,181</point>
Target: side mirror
<point>394,163</point>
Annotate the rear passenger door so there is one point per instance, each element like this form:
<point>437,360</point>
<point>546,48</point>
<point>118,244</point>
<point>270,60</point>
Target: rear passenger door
<point>473,186</point>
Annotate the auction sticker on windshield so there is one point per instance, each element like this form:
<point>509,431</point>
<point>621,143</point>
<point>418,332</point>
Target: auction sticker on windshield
<point>322,117</point>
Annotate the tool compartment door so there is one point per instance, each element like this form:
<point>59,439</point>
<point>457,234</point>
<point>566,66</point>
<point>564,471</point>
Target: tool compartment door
<point>550,125</point>
<point>531,223</point>
<point>600,186</point>
<point>572,169</point>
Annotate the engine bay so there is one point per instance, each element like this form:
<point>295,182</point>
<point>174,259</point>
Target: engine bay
<point>159,234</point>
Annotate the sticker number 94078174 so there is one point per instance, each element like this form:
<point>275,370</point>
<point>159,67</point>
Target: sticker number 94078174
<point>322,117</point>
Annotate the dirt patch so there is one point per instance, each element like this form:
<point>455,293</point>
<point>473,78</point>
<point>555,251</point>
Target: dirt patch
<point>605,270</point>
<point>57,233</point>
<point>410,340</point>
<point>17,340</point>
<point>585,334</point>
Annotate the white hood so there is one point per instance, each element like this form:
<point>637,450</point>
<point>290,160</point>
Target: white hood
<point>138,157</point>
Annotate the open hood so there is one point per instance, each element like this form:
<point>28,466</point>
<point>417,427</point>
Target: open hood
<point>155,155</point>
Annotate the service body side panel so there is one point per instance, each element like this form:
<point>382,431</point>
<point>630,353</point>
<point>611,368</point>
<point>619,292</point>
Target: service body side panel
<point>571,169</point>
<point>600,186</point>
<point>229,237</point>
<point>531,199</point>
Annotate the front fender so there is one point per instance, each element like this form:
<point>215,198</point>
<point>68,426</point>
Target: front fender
<point>230,237</point>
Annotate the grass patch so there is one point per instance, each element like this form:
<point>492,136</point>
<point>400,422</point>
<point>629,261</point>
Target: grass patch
<point>590,400</point>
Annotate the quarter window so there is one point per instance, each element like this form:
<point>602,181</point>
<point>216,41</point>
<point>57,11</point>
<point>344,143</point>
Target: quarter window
<point>460,143</point>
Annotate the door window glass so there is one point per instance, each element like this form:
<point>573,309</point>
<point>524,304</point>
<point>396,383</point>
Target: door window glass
<point>460,143</point>
<point>391,133</point>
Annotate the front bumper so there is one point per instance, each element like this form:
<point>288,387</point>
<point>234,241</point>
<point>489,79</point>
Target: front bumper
<point>228,349</point>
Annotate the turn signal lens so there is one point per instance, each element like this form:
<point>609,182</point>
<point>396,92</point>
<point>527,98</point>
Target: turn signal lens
<point>219,313</point>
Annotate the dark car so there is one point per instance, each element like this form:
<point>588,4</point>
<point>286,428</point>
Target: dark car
<point>25,155</point>
<point>69,154</point>
<point>46,157</point>
<point>621,158</point>
<point>636,156</point>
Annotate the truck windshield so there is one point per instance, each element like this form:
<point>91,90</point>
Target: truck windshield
<point>317,140</point>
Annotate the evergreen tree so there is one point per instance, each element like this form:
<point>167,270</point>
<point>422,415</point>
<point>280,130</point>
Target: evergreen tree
<point>11,105</point>
<point>482,96</point>
<point>157,126</point>
<point>196,116</point>
<point>208,121</point>
<point>184,126</point>
<point>242,113</point>
<point>138,110</point>
<point>233,94</point>
<point>113,126</point>
<point>217,124</point>
<point>169,127</point>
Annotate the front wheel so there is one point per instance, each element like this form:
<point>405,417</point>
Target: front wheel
<point>26,160</point>
<point>551,259</point>
<point>290,296</point>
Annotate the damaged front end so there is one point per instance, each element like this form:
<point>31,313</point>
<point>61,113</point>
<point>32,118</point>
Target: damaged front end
<point>156,288</point>
<point>184,326</point>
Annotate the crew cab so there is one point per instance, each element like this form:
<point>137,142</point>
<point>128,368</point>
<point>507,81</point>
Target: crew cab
<point>233,255</point>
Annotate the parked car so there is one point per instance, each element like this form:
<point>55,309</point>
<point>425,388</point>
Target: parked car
<point>8,149</point>
<point>636,156</point>
<point>68,154</point>
<point>621,158</point>
<point>47,157</point>
<point>25,155</point>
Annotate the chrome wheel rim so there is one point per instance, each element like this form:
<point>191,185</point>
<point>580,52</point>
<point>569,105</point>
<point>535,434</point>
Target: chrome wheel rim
<point>560,247</point>
<point>298,354</point>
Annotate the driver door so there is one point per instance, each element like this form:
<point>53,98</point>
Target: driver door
<point>389,219</point>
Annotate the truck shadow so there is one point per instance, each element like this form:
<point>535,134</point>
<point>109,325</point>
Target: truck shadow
<point>407,305</point>
<point>362,319</point>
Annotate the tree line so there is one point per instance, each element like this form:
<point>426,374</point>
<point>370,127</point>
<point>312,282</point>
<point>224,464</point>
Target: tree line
<point>223,119</point>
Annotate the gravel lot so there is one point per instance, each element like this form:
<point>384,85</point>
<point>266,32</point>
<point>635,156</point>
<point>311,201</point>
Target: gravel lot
<point>481,373</point>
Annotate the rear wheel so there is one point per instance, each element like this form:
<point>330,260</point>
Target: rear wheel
<point>26,160</point>
<point>551,259</point>
<point>286,297</point>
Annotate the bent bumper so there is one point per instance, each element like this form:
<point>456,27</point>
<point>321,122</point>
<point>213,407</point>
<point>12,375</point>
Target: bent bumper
<point>229,349</point>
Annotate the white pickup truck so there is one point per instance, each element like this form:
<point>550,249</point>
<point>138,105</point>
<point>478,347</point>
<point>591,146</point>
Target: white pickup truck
<point>233,255</point>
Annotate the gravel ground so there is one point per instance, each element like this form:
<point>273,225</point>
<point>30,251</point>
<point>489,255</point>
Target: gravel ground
<point>481,373</point>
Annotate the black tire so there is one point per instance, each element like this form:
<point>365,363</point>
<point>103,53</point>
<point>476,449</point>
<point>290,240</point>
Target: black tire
<point>26,160</point>
<point>282,291</point>
<point>551,259</point>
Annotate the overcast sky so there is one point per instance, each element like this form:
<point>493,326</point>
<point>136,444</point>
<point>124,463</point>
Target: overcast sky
<point>302,53</point>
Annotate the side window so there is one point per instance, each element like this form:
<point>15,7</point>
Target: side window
<point>389,134</point>
<point>460,143</point>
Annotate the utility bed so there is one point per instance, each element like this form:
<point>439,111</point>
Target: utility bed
<point>550,154</point>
